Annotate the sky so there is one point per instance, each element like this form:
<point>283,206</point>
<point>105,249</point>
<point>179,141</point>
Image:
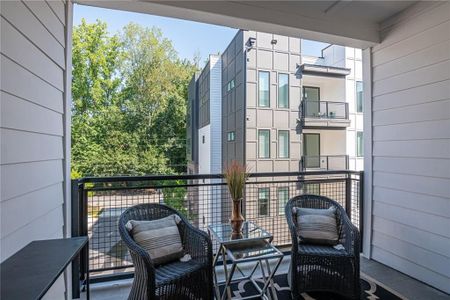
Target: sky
<point>188,38</point>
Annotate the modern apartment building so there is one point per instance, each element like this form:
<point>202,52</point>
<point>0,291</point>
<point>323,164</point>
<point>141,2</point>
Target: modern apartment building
<point>204,131</point>
<point>280,111</point>
<point>276,111</point>
<point>332,109</point>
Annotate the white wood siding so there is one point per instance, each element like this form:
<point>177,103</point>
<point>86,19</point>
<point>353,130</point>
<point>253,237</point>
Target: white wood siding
<point>33,66</point>
<point>411,144</point>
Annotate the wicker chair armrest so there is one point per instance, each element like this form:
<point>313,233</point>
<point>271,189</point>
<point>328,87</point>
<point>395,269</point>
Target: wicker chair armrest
<point>292,229</point>
<point>351,240</point>
<point>197,243</point>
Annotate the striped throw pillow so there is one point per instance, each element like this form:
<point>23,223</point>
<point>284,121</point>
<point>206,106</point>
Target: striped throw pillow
<point>317,226</point>
<point>160,238</point>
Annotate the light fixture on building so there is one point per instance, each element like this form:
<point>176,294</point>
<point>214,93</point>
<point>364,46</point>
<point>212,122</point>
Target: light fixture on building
<point>274,42</point>
<point>250,43</point>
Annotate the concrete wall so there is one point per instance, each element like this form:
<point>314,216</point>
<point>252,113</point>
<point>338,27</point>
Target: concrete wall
<point>411,144</point>
<point>34,130</point>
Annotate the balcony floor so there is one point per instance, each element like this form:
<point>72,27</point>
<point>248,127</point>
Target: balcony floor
<point>391,279</point>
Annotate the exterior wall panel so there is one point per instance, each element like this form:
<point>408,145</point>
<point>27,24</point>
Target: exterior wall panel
<point>33,133</point>
<point>411,148</point>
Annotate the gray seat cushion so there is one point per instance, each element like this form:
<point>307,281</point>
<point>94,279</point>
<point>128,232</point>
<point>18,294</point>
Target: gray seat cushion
<point>160,238</point>
<point>175,270</point>
<point>320,250</point>
<point>317,226</point>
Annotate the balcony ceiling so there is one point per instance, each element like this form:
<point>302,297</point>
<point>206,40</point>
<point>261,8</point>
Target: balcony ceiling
<point>349,23</point>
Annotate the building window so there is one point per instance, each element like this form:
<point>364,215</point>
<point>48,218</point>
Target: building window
<point>263,201</point>
<point>283,143</point>
<point>231,136</point>
<point>283,90</point>
<point>359,97</point>
<point>312,188</point>
<point>311,93</point>
<point>203,139</point>
<point>263,89</point>
<point>264,143</point>
<point>230,85</point>
<point>359,144</point>
<point>283,198</point>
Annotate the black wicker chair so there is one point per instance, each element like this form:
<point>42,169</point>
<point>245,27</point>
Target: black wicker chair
<point>323,268</point>
<point>175,280</point>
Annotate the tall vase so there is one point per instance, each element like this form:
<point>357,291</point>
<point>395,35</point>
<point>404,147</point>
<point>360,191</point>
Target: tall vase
<point>237,220</point>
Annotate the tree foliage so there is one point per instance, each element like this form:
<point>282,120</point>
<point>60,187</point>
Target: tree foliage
<point>129,102</point>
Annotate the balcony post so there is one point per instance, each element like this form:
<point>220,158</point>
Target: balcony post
<point>83,213</point>
<point>75,221</point>
<point>361,207</point>
<point>348,195</point>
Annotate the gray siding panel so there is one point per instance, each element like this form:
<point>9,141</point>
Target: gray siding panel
<point>411,144</point>
<point>16,111</point>
<point>19,49</point>
<point>23,19</point>
<point>33,63</point>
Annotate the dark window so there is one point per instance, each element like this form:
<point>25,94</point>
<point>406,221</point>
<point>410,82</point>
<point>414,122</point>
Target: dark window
<point>312,188</point>
<point>263,89</point>
<point>264,143</point>
<point>203,139</point>
<point>231,136</point>
<point>359,97</point>
<point>283,90</point>
<point>283,198</point>
<point>359,144</point>
<point>283,143</point>
<point>311,93</point>
<point>263,201</point>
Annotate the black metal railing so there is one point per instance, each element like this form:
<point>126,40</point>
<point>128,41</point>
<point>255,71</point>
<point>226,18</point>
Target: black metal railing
<point>324,110</point>
<point>325,162</point>
<point>204,199</point>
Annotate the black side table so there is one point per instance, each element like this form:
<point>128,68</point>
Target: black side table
<point>29,273</point>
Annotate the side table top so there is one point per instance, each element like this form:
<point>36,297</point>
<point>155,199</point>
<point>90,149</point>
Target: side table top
<point>250,232</point>
<point>29,273</point>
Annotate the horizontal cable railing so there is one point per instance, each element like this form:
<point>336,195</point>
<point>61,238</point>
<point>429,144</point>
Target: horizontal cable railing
<point>325,162</point>
<point>97,203</point>
<point>324,110</point>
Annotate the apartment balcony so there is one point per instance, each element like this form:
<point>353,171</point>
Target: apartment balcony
<point>325,162</point>
<point>325,114</point>
<point>204,199</point>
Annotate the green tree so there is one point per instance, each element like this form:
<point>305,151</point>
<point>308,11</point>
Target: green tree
<point>129,102</point>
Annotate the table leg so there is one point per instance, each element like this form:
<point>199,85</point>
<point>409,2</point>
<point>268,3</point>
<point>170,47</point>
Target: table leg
<point>88,292</point>
<point>271,274</point>
<point>227,290</point>
<point>216,285</point>
<point>272,291</point>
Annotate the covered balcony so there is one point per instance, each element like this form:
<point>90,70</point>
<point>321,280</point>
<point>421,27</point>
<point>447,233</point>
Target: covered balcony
<point>400,204</point>
<point>323,114</point>
<point>325,162</point>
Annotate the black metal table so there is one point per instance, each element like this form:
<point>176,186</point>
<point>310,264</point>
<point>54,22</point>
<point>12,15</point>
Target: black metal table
<point>29,273</point>
<point>254,245</point>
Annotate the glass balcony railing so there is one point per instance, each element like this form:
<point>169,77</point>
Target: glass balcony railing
<point>325,162</point>
<point>324,110</point>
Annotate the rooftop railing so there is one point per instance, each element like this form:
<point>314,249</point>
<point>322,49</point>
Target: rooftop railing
<point>97,203</point>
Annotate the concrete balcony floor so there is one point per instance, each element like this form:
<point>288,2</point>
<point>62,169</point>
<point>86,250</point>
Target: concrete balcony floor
<point>398,283</point>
